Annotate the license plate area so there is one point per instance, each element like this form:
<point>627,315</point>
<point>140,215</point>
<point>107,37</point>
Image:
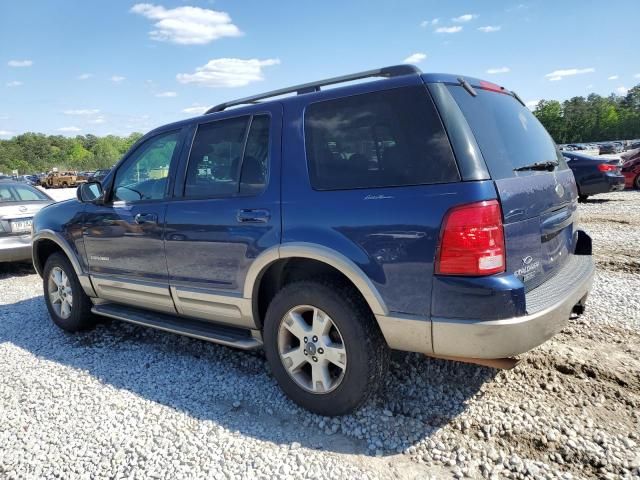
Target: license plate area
<point>21,226</point>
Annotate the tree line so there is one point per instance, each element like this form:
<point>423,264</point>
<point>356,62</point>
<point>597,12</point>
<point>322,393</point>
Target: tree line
<point>592,119</point>
<point>36,152</point>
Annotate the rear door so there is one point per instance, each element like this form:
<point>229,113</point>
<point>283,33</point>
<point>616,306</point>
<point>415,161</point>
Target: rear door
<point>538,205</point>
<point>226,212</point>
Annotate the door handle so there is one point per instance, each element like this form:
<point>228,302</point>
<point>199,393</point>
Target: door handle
<point>145,218</point>
<point>253,216</point>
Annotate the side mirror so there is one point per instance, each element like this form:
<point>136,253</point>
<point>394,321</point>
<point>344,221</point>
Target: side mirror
<point>89,192</point>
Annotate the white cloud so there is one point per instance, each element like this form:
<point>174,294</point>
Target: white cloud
<point>415,58</point>
<point>81,111</point>
<point>85,76</point>
<point>455,29</point>
<point>228,72</point>
<point>187,25</point>
<point>117,78</point>
<point>14,83</point>
<point>493,71</point>
<point>622,90</point>
<point>464,18</point>
<point>426,23</point>
<point>69,129</point>
<point>637,75</point>
<point>195,110</point>
<point>166,94</point>
<point>560,74</point>
<point>97,120</point>
<point>6,133</point>
<point>20,63</point>
<point>532,104</point>
<point>490,28</point>
<point>613,77</point>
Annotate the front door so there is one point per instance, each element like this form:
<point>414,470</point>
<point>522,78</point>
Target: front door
<point>124,236</point>
<point>225,213</point>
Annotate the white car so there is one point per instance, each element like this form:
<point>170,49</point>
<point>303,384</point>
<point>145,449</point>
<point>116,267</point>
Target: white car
<point>19,202</point>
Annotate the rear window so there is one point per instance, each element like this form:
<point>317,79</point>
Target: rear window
<point>508,134</point>
<point>20,193</point>
<point>381,139</point>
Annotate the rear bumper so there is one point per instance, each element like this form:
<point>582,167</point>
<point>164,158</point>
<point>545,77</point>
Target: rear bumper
<point>548,309</point>
<point>609,183</point>
<point>15,248</point>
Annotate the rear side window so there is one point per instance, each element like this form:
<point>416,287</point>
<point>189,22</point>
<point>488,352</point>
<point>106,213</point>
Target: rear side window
<point>508,134</point>
<point>226,160</point>
<point>381,139</point>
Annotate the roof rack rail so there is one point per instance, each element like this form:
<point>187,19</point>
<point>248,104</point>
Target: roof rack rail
<point>393,71</point>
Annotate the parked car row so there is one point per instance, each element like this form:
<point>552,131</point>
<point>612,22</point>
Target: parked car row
<point>594,175</point>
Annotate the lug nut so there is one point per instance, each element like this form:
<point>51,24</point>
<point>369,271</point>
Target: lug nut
<point>305,353</point>
<point>320,350</point>
<point>306,339</point>
<point>315,359</point>
<point>315,339</point>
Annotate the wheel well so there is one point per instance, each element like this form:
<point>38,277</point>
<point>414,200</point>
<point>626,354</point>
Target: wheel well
<point>44,249</point>
<point>289,270</point>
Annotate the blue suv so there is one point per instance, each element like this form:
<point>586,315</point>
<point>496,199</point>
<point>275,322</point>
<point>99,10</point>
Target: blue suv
<point>421,212</point>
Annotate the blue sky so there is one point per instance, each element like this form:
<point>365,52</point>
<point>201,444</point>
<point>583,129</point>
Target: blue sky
<point>77,67</point>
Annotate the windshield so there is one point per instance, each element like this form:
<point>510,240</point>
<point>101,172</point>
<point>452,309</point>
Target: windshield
<point>508,134</point>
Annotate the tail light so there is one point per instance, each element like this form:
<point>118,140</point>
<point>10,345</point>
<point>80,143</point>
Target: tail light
<point>607,167</point>
<point>472,240</point>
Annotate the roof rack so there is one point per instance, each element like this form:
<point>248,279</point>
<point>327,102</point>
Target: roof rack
<point>393,71</point>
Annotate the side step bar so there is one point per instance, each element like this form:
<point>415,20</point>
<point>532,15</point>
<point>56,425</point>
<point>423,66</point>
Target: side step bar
<point>222,334</point>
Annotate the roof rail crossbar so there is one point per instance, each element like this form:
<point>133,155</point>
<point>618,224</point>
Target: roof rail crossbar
<point>393,71</point>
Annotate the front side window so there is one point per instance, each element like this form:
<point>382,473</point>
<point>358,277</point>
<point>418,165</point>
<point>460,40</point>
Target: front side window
<point>144,175</point>
<point>226,160</point>
<point>381,139</point>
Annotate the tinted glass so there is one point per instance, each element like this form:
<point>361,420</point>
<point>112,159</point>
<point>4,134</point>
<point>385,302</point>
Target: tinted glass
<point>379,139</point>
<point>144,175</point>
<point>215,159</point>
<point>508,134</point>
<point>253,178</point>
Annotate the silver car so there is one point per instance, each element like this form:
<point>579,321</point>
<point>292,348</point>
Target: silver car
<point>19,202</point>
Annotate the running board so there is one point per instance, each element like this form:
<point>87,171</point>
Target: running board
<point>224,335</point>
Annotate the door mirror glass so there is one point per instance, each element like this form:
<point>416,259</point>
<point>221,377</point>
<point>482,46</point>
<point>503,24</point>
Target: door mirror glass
<point>89,192</point>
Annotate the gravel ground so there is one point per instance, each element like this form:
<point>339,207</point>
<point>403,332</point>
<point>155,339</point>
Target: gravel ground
<point>125,401</point>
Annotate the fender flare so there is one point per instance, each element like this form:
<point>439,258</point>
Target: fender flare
<point>320,253</point>
<point>59,240</point>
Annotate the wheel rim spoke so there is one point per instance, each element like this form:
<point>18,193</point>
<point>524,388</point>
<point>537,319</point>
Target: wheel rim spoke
<point>296,325</point>
<point>320,377</point>
<point>321,323</point>
<point>60,292</point>
<point>294,359</point>
<point>55,297</point>
<point>336,354</point>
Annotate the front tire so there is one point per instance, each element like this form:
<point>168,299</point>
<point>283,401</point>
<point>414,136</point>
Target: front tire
<point>324,346</point>
<point>582,198</point>
<point>68,305</point>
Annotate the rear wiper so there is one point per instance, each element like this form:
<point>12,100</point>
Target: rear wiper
<point>549,166</point>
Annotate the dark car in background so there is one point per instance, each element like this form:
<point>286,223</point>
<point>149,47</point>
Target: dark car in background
<point>607,148</point>
<point>99,175</point>
<point>594,175</point>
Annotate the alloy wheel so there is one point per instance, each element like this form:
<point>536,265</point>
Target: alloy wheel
<point>311,349</point>
<point>60,292</point>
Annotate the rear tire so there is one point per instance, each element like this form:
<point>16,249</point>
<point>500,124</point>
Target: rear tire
<point>68,305</point>
<point>348,346</point>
